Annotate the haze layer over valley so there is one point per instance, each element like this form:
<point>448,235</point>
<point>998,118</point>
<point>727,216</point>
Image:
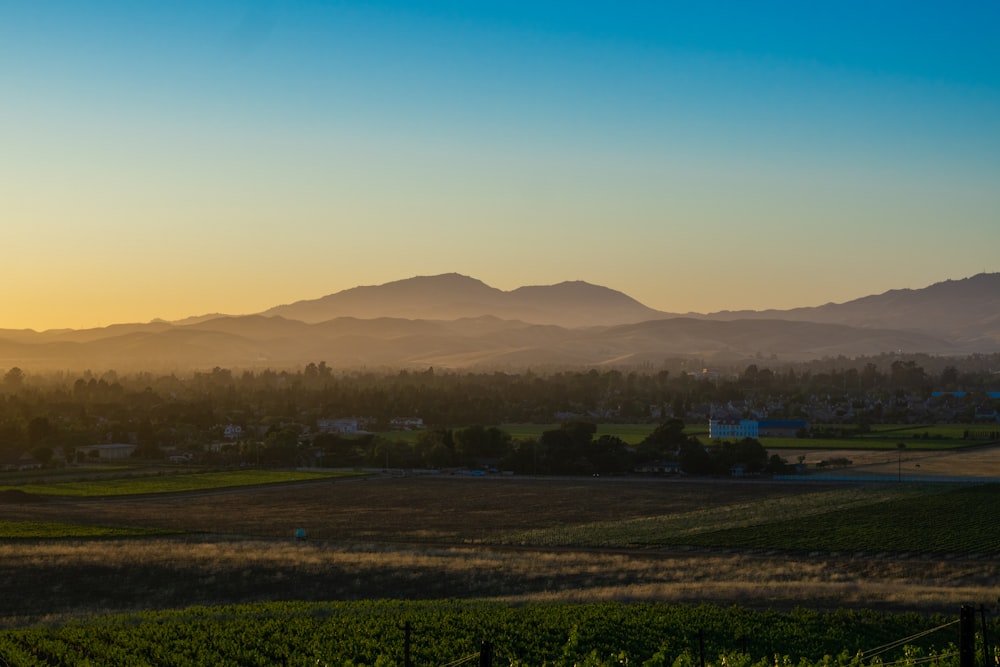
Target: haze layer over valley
<point>455,321</point>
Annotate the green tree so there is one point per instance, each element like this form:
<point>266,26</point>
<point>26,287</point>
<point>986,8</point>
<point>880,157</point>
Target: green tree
<point>39,430</point>
<point>564,450</point>
<point>523,457</point>
<point>694,458</point>
<point>663,443</point>
<point>13,379</point>
<point>281,447</point>
<point>43,454</point>
<point>609,454</point>
<point>748,453</point>
<point>436,448</point>
<point>778,466</point>
<point>670,433</point>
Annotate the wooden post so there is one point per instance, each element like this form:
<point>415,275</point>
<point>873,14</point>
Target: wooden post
<point>986,644</point>
<point>407,661</point>
<point>967,636</point>
<point>486,655</point>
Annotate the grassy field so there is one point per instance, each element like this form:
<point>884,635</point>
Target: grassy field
<point>43,530</point>
<point>916,547</point>
<point>20,477</point>
<point>868,443</point>
<point>873,519</point>
<point>887,436</point>
<point>964,520</point>
<point>952,431</point>
<point>101,485</point>
<point>169,541</point>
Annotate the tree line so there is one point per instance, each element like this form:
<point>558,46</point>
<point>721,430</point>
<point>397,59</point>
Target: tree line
<point>571,448</point>
<point>165,411</point>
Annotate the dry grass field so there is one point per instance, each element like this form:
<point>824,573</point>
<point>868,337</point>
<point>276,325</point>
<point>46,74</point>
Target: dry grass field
<point>451,537</point>
<point>981,461</point>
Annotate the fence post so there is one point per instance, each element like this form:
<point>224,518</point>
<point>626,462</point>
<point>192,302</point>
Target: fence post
<point>486,655</point>
<point>986,643</point>
<point>967,636</point>
<point>407,661</point>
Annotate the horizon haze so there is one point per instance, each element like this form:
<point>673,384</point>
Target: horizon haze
<point>456,321</point>
<point>413,298</point>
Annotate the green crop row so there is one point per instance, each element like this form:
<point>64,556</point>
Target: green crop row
<point>964,520</point>
<point>442,633</point>
<point>19,530</point>
<point>171,483</point>
<point>876,518</point>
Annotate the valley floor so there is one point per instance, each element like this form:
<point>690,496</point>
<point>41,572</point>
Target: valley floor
<point>464,537</point>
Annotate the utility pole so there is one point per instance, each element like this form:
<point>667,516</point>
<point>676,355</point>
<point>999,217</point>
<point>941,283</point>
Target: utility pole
<point>900,446</point>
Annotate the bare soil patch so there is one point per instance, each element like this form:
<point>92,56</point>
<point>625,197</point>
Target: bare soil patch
<point>411,509</point>
<point>17,496</point>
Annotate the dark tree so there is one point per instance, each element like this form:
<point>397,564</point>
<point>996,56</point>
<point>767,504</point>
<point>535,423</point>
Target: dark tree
<point>695,459</point>
<point>13,379</point>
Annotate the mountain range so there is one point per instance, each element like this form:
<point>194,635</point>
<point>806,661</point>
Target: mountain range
<point>452,296</point>
<point>455,321</point>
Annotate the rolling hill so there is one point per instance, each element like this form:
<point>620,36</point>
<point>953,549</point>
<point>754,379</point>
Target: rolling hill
<point>452,296</point>
<point>966,311</point>
<point>458,322</point>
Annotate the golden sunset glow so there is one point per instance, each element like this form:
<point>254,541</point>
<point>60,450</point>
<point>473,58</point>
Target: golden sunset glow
<point>163,163</point>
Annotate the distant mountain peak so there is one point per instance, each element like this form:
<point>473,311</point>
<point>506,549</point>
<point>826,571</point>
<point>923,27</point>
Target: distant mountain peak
<point>966,309</point>
<point>439,278</point>
<point>450,296</point>
<point>452,320</point>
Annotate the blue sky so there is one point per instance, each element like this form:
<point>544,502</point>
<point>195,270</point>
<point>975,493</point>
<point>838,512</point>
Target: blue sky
<point>170,159</point>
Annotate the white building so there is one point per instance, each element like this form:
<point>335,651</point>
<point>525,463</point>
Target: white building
<point>732,429</point>
<point>407,423</point>
<point>106,452</point>
<point>341,426</point>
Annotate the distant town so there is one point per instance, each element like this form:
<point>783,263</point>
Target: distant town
<point>677,421</point>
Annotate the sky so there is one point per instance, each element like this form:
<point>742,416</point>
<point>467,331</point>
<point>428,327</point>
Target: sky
<point>169,159</point>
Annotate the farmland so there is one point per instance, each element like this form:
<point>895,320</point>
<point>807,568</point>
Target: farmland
<point>517,539</point>
<point>88,484</point>
<point>565,570</point>
<point>883,436</point>
<point>577,553</point>
<point>451,632</point>
<point>141,565</point>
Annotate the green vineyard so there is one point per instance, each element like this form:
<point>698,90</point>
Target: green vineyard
<point>451,632</point>
<point>914,518</point>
